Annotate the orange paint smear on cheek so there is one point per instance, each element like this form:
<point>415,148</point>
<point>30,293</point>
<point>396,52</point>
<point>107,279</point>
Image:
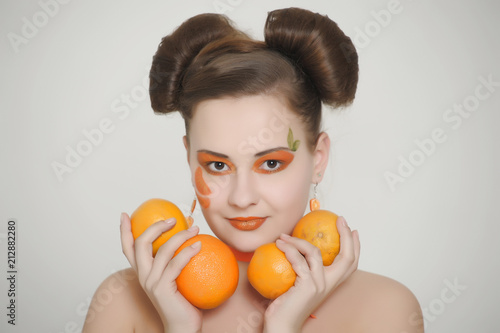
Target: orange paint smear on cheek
<point>204,201</point>
<point>202,188</point>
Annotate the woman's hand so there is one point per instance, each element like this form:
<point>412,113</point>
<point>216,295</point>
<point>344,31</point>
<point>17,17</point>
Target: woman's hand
<point>157,275</point>
<point>314,282</point>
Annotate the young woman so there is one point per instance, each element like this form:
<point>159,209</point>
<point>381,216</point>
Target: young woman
<point>240,98</point>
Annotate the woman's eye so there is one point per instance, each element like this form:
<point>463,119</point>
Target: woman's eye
<point>276,161</point>
<point>271,165</point>
<point>218,166</point>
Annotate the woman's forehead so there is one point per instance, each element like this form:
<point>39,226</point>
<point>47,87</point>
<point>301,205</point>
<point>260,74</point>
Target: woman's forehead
<point>243,124</point>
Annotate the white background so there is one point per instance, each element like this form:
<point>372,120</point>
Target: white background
<point>74,71</point>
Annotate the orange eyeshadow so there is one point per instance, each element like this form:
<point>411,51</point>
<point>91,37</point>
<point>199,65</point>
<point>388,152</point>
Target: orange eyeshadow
<point>206,158</point>
<point>282,156</point>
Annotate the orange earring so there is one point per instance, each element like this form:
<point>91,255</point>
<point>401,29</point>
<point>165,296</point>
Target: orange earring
<point>189,219</point>
<point>314,202</point>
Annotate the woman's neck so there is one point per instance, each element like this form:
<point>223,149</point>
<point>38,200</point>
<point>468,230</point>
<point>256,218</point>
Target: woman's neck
<point>242,256</point>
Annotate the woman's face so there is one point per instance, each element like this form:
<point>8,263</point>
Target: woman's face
<point>251,177</point>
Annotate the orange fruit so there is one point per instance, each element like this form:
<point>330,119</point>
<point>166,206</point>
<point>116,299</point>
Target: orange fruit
<point>211,276</point>
<point>269,272</point>
<point>152,211</point>
<point>319,228</point>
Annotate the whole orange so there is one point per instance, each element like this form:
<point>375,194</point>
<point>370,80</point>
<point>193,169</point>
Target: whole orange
<point>152,211</point>
<point>319,228</point>
<point>211,276</point>
<point>269,272</point>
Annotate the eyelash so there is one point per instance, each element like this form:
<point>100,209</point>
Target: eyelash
<point>211,168</point>
<point>262,167</point>
<point>279,167</point>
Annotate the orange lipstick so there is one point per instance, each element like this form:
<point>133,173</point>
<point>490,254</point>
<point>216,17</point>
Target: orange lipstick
<point>247,223</point>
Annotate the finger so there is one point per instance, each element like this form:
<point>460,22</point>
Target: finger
<point>357,247</point>
<point>180,261</point>
<point>296,259</point>
<point>127,240</point>
<point>313,257</point>
<point>167,251</point>
<point>144,246</point>
<point>346,254</point>
<point>342,264</point>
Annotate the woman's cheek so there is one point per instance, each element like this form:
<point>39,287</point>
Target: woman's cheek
<point>209,187</point>
<point>293,192</point>
<point>218,186</point>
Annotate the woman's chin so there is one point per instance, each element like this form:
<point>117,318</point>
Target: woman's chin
<point>250,245</point>
<point>245,241</point>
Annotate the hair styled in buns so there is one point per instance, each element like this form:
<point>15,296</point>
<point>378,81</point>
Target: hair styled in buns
<point>305,59</point>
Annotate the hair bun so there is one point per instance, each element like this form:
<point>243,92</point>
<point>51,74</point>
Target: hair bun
<point>176,52</point>
<point>319,48</point>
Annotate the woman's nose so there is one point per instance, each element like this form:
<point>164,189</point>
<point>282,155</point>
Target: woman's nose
<point>243,191</point>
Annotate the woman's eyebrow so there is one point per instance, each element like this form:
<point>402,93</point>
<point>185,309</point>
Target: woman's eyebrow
<point>265,152</point>
<point>213,153</point>
<point>259,154</point>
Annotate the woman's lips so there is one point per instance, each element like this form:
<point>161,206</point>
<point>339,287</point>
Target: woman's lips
<point>247,223</point>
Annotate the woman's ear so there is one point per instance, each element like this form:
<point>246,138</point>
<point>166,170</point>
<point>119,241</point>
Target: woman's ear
<point>186,145</point>
<point>321,154</point>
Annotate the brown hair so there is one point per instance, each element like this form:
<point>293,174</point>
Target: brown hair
<point>305,58</point>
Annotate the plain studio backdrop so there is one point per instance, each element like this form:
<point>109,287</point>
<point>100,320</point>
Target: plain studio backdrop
<point>414,163</point>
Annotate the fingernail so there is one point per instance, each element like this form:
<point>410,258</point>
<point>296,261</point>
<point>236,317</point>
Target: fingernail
<point>285,236</point>
<point>344,222</point>
<point>196,245</point>
<point>192,228</point>
<point>280,241</point>
<point>122,218</point>
<point>170,221</point>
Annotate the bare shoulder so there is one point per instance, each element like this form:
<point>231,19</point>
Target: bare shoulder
<point>368,302</point>
<point>373,285</point>
<point>121,305</point>
<point>385,304</point>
